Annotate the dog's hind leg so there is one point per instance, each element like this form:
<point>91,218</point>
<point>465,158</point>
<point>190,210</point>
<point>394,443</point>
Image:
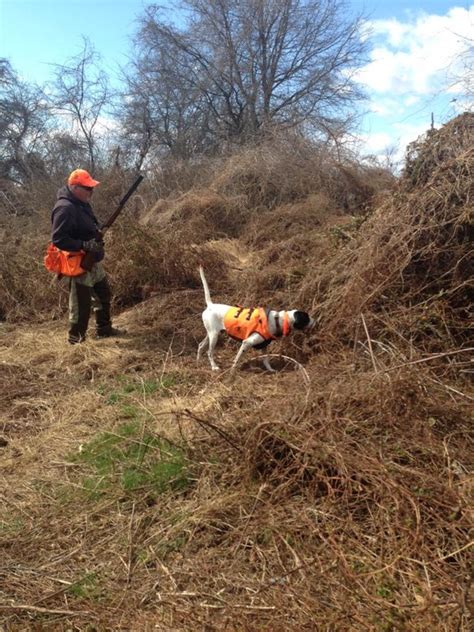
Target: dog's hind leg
<point>202,345</point>
<point>212,338</point>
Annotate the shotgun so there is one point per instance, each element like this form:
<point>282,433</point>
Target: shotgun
<point>88,259</point>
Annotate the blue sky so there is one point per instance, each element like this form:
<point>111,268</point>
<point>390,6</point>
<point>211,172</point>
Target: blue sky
<point>416,46</point>
<point>420,50</point>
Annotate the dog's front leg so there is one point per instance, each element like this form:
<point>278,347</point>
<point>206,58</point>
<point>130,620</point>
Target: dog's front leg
<point>248,343</point>
<point>267,365</point>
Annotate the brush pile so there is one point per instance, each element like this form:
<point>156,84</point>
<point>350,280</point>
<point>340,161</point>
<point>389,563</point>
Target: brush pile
<point>410,266</point>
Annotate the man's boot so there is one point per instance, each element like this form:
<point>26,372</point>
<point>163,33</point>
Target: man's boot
<point>107,332</point>
<point>75,336</point>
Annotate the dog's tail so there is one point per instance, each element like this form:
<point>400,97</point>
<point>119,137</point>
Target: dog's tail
<point>207,294</point>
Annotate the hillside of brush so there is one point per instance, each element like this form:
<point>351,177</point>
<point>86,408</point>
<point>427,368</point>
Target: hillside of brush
<point>142,491</point>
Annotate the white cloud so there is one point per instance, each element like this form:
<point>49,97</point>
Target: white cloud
<point>386,106</point>
<point>408,132</point>
<point>376,143</point>
<point>391,145</point>
<point>394,30</point>
<point>416,56</point>
<point>411,100</point>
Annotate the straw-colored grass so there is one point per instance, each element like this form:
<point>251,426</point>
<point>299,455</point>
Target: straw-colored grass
<point>141,491</point>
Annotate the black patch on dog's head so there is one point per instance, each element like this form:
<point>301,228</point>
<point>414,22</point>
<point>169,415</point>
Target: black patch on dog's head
<point>301,320</point>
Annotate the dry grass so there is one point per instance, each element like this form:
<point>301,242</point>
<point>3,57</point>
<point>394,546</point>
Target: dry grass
<point>141,491</point>
<point>344,502</point>
<point>409,267</point>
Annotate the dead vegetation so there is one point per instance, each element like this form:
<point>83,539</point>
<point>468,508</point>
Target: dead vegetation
<point>140,491</point>
<point>410,266</point>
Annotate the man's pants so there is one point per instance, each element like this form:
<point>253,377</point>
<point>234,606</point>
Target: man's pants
<point>90,290</point>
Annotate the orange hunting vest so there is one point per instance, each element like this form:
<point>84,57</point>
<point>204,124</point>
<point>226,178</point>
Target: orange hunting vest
<point>63,262</point>
<point>240,322</point>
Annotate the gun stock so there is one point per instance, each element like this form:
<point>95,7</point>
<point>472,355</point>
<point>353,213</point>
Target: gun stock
<point>88,261</point>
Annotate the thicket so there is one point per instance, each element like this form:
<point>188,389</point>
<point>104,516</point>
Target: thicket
<point>285,186</point>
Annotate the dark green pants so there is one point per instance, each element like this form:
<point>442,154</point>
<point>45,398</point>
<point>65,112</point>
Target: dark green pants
<point>89,291</point>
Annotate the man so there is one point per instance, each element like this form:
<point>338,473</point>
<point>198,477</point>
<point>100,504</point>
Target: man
<point>74,228</point>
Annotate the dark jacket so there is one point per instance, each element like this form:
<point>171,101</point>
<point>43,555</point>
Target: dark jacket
<point>73,222</point>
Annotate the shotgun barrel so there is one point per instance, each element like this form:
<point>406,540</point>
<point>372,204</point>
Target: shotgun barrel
<point>122,203</point>
<point>88,259</point>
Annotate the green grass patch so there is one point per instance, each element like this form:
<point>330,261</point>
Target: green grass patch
<point>11,526</point>
<point>131,458</point>
<point>164,548</point>
<point>126,386</point>
<point>128,411</point>
<point>86,587</point>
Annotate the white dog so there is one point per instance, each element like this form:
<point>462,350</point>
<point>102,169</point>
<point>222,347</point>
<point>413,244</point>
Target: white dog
<point>255,327</point>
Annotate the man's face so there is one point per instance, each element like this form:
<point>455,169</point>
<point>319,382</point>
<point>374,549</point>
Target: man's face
<point>83,194</point>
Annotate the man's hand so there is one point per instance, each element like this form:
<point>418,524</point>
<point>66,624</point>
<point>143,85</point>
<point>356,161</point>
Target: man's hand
<point>93,246</point>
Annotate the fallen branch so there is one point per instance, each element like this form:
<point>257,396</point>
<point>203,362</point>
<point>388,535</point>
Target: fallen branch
<point>39,609</point>
<point>279,355</point>
<point>369,343</point>
<point>208,424</point>
<point>432,357</point>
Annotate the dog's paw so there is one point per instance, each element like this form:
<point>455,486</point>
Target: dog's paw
<point>216,368</point>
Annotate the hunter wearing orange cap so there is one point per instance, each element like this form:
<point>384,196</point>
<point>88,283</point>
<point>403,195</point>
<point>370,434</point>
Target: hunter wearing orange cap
<point>82,178</point>
<point>75,228</point>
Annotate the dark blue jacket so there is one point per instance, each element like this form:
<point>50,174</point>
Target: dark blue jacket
<point>73,222</point>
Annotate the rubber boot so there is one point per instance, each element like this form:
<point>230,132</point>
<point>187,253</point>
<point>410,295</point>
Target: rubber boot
<point>77,331</point>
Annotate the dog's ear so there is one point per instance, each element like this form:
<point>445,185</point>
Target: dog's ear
<point>301,319</point>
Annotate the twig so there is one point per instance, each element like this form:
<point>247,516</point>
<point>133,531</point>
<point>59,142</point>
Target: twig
<point>244,530</point>
<point>225,604</point>
<point>450,388</point>
<point>130,546</point>
<point>356,339</point>
<point>20,569</point>
<point>60,559</point>
<point>463,548</point>
<point>237,605</point>
<point>433,357</point>
<point>370,343</point>
<point>39,609</point>
<point>279,355</point>
<point>298,563</point>
<point>206,423</point>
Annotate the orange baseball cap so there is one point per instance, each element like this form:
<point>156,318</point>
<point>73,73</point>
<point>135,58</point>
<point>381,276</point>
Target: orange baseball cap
<point>83,178</point>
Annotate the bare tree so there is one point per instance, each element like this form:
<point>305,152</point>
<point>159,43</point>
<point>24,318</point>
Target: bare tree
<point>80,92</point>
<point>62,153</point>
<point>461,70</point>
<point>23,126</point>
<point>160,113</point>
<point>251,64</point>
<point>137,130</point>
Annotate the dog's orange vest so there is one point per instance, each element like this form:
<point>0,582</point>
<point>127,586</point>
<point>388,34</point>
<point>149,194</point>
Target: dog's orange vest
<point>240,323</point>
